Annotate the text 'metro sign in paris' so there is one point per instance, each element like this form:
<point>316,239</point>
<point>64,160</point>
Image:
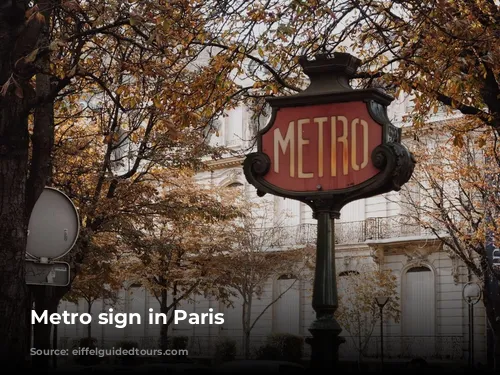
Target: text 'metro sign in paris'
<point>329,140</point>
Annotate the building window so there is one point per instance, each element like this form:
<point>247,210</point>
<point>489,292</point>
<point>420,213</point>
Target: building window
<point>286,310</point>
<point>348,273</point>
<point>233,127</point>
<point>287,277</point>
<point>418,309</point>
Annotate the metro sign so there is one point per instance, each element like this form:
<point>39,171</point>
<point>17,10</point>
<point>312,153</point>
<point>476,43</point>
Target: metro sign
<point>329,142</point>
<point>327,145</point>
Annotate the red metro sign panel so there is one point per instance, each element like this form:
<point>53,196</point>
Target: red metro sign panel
<point>321,147</point>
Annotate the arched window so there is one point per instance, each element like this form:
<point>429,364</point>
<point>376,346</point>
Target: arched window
<point>235,185</point>
<point>347,273</point>
<point>286,310</point>
<point>343,280</point>
<point>287,276</point>
<point>418,309</point>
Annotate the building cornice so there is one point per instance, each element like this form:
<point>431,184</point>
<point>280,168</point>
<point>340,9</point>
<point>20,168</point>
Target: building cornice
<point>224,163</point>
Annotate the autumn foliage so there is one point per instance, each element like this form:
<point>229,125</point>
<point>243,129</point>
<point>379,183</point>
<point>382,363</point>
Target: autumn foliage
<point>454,195</point>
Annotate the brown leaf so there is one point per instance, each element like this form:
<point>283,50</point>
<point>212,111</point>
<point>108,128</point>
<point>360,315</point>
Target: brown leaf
<point>31,11</point>
<point>39,17</point>
<point>458,141</point>
<point>71,5</point>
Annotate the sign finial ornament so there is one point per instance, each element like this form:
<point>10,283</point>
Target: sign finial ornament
<point>329,74</point>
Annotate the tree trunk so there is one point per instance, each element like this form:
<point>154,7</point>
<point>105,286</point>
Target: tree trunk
<point>17,39</point>
<point>360,355</point>
<point>13,297</point>
<point>492,308</point>
<point>491,301</point>
<point>490,346</point>
<point>13,214</point>
<point>164,325</point>
<point>247,314</point>
<point>45,299</point>
<point>247,344</point>
<point>13,229</point>
<point>89,326</point>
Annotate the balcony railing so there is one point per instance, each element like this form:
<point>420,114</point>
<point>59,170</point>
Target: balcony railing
<point>353,232</point>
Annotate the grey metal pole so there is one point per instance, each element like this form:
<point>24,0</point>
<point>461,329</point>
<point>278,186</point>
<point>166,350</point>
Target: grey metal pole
<point>382,337</point>
<point>472,334</point>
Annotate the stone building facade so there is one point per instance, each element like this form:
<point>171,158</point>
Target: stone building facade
<point>434,320</point>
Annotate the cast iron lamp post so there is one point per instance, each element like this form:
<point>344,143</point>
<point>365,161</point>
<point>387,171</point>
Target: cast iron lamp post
<point>381,302</point>
<point>471,293</point>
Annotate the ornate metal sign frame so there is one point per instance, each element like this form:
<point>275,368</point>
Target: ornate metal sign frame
<point>330,84</point>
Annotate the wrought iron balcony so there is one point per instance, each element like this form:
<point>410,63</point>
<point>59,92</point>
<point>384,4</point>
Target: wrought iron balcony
<point>355,231</point>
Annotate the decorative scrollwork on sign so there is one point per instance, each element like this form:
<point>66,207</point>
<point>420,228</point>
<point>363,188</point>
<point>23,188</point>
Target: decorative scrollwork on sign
<point>259,163</point>
<point>380,156</point>
<point>405,164</point>
<point>393,134</point>
<point>396,157</point>
<point>379,113</point>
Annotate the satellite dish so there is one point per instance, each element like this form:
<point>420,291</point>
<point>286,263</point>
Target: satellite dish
<point>54,225</point>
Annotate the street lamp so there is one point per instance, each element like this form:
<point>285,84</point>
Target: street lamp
<point>471,293</point>
<point>381,302</point>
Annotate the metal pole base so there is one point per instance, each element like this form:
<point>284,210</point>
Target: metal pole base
<point>325,343</point>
